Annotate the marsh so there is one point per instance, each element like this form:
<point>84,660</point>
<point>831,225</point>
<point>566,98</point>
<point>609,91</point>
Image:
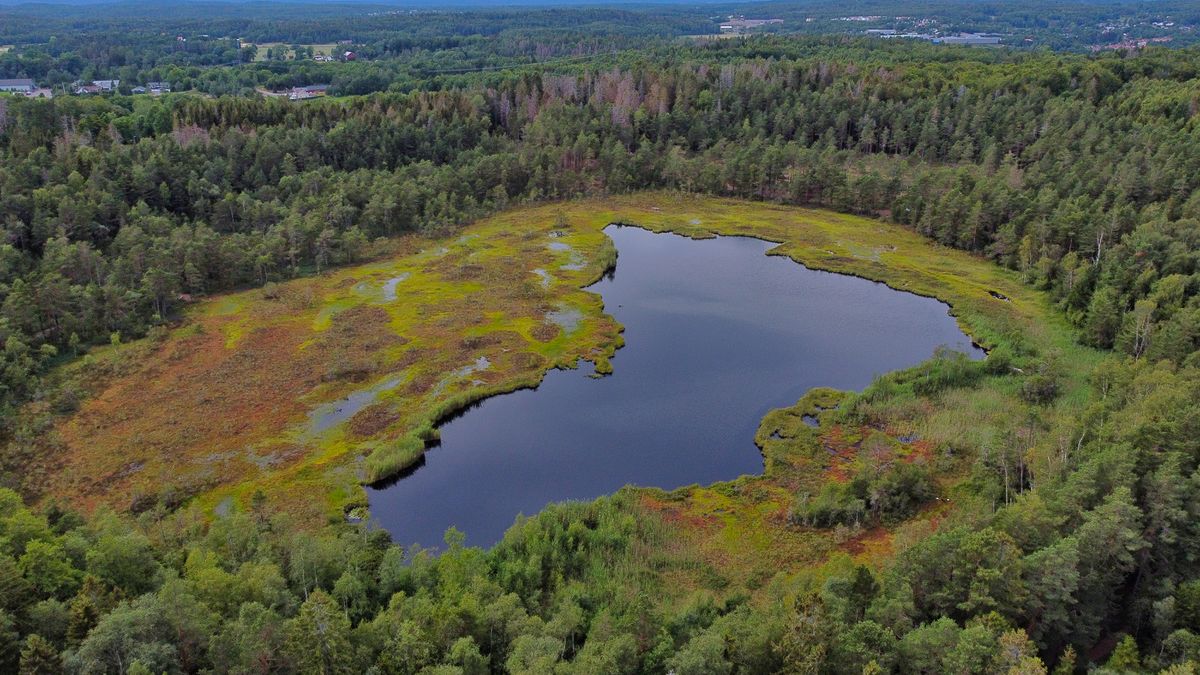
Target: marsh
<point>716,334</point>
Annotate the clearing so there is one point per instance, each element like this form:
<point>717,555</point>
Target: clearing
<point>325,49</point>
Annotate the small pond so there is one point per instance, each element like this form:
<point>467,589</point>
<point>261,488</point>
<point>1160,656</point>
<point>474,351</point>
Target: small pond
<point>716,334</point>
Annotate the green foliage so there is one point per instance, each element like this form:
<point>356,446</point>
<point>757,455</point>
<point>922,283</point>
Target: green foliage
<point>318,639</point>
<point>133,631</point>
<point>946,370</point>
<point>1125,658</point>
<point>702,655</point>
<point>889,496</point>
<point>124,560</point>
<point>10,642</point>
<point>39,657</point>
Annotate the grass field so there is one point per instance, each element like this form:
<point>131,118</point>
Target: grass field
<point>306,389</point>
<point>327,49</point>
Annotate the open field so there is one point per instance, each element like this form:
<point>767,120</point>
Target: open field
<point>306,389</point>
<point>327,49</point>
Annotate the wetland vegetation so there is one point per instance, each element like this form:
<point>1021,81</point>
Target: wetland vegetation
<point>771,534</point>
<point>222,317</point>
<point>716,334</point>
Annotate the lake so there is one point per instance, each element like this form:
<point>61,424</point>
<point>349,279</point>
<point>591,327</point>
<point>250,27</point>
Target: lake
<point>716,335</point>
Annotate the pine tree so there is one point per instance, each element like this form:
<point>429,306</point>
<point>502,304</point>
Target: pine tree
<point>39,657</point>
<point>1125,658</point>
<point>319,637</point>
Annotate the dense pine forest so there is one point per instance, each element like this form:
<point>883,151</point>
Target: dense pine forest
<point>1080,172</point>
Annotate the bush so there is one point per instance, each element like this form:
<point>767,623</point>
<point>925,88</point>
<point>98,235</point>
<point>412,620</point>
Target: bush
<point>946,370</point>
<point>1042,385</point>
<point>1039,388</point>
<point>900,491</point>
<point>390,460</point>
<point>835,504</point>
<point>999,361</point>
<point>894,495</point>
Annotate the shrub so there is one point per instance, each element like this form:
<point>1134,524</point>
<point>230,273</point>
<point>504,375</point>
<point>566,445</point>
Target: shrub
<point>894,495</point>
<point>900,491</point>
<point>387,461</point>
<point>946,370</point>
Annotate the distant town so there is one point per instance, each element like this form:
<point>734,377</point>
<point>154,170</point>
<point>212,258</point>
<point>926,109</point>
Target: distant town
<point>199,52</point>
<point>28,88</point>
<point>1127,35</point>
<point>336,52</point>
<point>739,24</point>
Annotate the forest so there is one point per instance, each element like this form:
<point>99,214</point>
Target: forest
<point>1079,173</point>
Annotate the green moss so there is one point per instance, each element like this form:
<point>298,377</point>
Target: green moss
<point>394,457</point>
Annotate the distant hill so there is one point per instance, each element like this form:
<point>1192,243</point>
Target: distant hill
<point>413,4</point>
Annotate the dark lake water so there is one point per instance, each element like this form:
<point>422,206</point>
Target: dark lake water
<point>716,334</point>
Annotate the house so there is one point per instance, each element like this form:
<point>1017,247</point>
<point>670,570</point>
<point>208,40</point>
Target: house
<point>968,39</point>
<point>138,90</point>
<point>21,86</point>
<point>740,24</point>
<point>1129,44</point>
<point>158,87</point>
<point>349,56</point>
<point>95,87</point>
<point>311,91</point>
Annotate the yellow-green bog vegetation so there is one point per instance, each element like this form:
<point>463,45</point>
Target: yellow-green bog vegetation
<point>304,390</point>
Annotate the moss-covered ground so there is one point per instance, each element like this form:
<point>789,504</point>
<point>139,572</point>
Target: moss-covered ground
<point>305,390</point>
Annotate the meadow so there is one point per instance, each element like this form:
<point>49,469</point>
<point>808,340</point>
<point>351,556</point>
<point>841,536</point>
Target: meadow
<point>323,49</point>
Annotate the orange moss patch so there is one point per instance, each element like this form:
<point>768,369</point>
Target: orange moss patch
<point>545,332</point>
<point>921,451</point>
<point>193,394</point>
<point>676,515</point>
<point>744,534</point>
<point>286,389</point>
<point>372,420</point>
<point>871,545</point>
<point>843,455</point>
